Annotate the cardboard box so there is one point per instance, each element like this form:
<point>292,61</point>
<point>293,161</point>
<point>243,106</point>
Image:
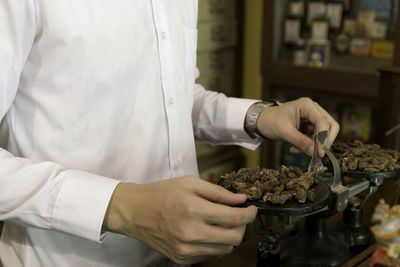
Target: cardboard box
<point>292,30</point>
<point>350,26</point>
<point>365,19</point>
<point>383,49</point>
<point>219,61</point>
<point>360,47</point>
<point>217,9</point>
<point>378,30</point>
<point>219,82</point>
<point>318,52</point>
<point>217,34</point>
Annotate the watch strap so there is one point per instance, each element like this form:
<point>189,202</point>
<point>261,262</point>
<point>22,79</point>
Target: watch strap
<point>250,124</point>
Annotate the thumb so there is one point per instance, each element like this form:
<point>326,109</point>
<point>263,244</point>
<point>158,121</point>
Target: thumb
<point>218,194</point>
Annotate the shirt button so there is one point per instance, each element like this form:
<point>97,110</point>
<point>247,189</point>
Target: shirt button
<point>164,35</point>
<point>171,101</point>
<point>177,164</point>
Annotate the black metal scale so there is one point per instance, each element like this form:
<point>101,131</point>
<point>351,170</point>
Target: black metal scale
<point>313,245</point>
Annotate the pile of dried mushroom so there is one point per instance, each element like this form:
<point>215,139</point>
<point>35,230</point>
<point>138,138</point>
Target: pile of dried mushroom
<point>274,186</point>
<point>354,155</point>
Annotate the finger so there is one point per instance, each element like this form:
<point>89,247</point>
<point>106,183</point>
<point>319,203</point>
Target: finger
<point>214,234</point>
<point>212,250</point>
<point>333,127</point>
<point>300,141</point>
<point>294,150</point>
<point>309,113</point>
<point>218,194</point>
<point>226,216</point>
<point>315,116</point>
<point>321,120</point>
<point>212,241</point>
<point>196,253</point>
<point>308,129</point>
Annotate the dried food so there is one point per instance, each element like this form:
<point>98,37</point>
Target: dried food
<point>355,155</point>
<point>273,186</point>
<point>268,242</point>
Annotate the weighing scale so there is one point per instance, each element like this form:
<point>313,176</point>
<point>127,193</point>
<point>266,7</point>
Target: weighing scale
<point>313,245</point>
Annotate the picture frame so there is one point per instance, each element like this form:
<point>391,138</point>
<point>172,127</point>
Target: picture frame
<point>292,30</point>
<point>319,30</point>
<point>315,10</point>
<point>334,13</point>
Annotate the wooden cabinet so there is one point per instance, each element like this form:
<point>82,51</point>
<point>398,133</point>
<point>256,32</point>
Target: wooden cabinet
<point>347,79</point>
<point>387,125</point>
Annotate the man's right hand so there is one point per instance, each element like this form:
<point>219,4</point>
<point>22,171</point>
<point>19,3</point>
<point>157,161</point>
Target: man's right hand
<point>186,219</point>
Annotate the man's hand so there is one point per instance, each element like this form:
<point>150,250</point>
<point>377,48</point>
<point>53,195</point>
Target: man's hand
<point>295,122</point>
<point>186,219</point>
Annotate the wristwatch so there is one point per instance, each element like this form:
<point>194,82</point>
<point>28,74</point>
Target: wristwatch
<point>250,123</point>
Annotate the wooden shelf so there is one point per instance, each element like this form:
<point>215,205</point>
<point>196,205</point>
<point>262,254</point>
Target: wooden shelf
<point>326,80</point>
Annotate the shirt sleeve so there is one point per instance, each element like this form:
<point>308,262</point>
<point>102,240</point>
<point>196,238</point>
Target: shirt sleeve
<point>41,194</point>
<point>219,120</point>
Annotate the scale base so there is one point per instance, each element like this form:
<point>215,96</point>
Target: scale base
<point>313,246</point>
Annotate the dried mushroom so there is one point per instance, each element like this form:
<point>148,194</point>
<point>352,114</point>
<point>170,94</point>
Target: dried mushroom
<point>355,155</point>
<point>268,242</point>
<point>273,186</point>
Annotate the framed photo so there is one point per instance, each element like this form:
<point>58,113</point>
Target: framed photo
<point>350,26</point>
<point>296,9</point>
<point>315,10</point>
<point>334,12</point>
<point>318,53</point>
<point>292,30</point>
<point>319,30</point>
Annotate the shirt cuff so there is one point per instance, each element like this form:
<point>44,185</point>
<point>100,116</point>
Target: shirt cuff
<point>82,203</point>
<point>236,114</point>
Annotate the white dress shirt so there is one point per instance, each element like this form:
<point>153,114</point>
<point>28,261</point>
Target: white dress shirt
<point>92,93</point>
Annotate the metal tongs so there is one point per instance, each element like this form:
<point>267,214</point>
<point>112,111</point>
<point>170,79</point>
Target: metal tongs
<point>341,193</point>
<point>317,168</point>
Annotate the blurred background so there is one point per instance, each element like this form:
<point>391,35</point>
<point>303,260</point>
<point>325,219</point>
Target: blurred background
<point>344,54</point>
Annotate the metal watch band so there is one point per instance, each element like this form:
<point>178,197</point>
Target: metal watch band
<point>250,124</point>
